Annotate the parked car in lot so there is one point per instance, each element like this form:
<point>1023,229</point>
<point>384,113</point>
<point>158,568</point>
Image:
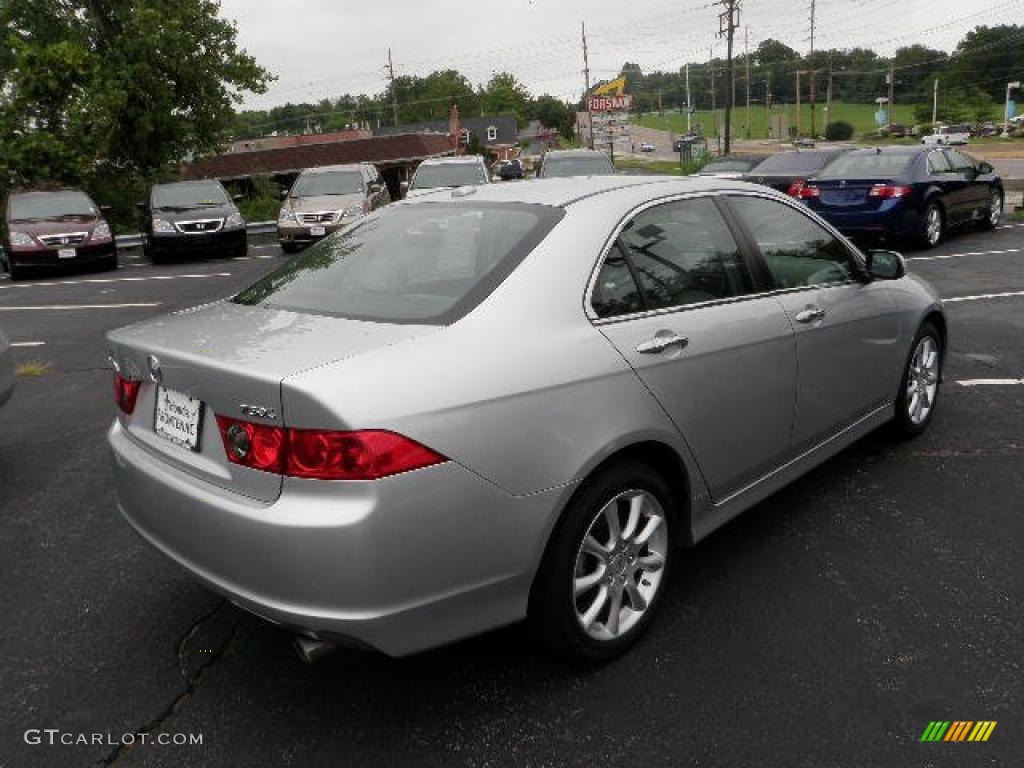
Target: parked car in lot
<point>191,219</point>
<point>948,134</point>
<point>322,200</point>
<point>55,228</point>
<point>646,146</point>
<point>558,163</point>
<point>447,172</point>
<point>468,409</point>
<point>912,193</point>
<point>780,171</point>
<point>507,170</point>
<point>731,166</point>
<point>6,369</point>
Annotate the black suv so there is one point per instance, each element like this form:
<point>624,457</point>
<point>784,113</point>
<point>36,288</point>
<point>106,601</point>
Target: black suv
<point>192,218</point>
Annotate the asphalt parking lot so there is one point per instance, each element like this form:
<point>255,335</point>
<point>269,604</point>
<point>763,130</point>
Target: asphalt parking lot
<point>825,627</point>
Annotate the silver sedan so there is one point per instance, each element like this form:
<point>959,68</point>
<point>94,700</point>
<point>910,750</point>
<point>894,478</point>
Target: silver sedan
<point>6,369</point>
<point>511,401</point>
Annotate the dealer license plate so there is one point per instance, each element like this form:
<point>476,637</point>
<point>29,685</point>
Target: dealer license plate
<point>178,418</point>
<point>317,231</point>
<point>66,253</point>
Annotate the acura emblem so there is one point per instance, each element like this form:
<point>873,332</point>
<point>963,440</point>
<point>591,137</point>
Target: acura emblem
<point>155,373</point>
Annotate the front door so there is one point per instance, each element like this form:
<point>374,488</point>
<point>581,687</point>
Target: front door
<point>674,296</point>
<point>847,329</point>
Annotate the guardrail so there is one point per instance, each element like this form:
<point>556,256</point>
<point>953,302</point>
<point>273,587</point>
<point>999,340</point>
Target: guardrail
<point>254,228</point>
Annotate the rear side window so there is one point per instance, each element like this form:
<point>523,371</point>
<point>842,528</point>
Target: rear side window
<point>669,256</point>
<point>960,162</point>
<point>938,163</point>
<point>429,263</point>
<point>793,162</point>
<point>798,251</point>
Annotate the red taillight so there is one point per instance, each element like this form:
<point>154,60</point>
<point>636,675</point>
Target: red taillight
<point>889,190</point>
<point>253,445</point>
<point>802,190</point>
<point>322,454</point>
<point>126,392</point>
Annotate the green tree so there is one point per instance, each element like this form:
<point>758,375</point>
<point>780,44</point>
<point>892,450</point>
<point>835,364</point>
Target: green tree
<point>90,87</point>
<point>504,94</point>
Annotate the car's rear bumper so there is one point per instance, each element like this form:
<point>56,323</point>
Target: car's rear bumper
<point>227,242</point>
<point>89,253</point>
<point>893,218</point>
<point>400,565</point>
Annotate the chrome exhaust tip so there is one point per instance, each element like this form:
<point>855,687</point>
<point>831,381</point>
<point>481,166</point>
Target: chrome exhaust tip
<point>311,649</point>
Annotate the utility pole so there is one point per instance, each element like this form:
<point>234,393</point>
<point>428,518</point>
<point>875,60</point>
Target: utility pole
<point>828,95</point>
<point>1006,110</point>
<point>799,116</point>
<point>660,110</point>
<point>394,93</point>
<point>689,104</point>
<point>935,100</point>
<point>813,73</point>
<point>892,82</point>
<point>768,101</point>
<point>746,59</point>
<point>714,109</point>
<point>586,85</point>
<point>728,20</point>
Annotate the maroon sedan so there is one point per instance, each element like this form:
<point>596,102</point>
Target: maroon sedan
<point>56,228</point>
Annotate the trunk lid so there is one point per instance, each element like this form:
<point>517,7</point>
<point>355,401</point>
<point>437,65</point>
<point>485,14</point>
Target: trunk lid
<point>847,194</point>
<point>228,355</point>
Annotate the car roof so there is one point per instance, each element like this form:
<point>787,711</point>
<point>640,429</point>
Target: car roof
<point>38,192</point>
<point>914,150</point>
<point>562,192</point>
<point>571,152</point>
<point>186,183</point>
<point>331,168</point>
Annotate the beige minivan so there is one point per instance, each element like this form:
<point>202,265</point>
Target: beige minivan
<point>325,199</point>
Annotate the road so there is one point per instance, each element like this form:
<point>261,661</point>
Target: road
<point>825,627</point>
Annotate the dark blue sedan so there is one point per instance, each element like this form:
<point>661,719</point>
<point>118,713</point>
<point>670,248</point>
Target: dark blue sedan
<point>909,193</point>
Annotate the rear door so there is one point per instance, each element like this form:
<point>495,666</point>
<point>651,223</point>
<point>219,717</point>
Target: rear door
<point>675,297</point>
<point>846,329</point>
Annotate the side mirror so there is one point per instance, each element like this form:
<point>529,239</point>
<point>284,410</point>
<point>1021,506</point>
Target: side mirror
<point>885,265</point>
<point>141,207</point>
<point>238,198</point>
<point>284,193</point>
<point>986,168</point>
<point>105,210</point>
<point>404,187</point>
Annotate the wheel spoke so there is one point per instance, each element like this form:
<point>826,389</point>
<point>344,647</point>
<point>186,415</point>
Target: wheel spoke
<point>636,600</point>
<point>611,517</point>
<point>596,548</point>
<point>652,525</point>
<point>636,505</point>
<point>615,610</point>
<point>600,599</point>
<point>926,401</point>
<point>583,583</point>
<point>912,408</point>
<point>652,562</point>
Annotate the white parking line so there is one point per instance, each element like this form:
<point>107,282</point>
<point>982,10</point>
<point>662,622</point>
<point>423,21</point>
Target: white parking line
<point>28,343</point>
<point>982,296</point>
<point>79,306</point>
<point>105,280</point>
<point>989,382</point>
<point>959,255</point>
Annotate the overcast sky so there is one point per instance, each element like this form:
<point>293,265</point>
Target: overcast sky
<point>324,48</point>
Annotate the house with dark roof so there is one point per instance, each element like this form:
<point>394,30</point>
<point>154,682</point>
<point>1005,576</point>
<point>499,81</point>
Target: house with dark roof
<point>496,135</point>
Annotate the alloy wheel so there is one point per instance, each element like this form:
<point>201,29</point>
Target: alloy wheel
<point>620,564</point>
<point>933,225</point>
<point>922,380</point>
<point>995,210</point>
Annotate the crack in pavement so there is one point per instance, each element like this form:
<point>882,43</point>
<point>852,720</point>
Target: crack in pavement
<point>191,681</point>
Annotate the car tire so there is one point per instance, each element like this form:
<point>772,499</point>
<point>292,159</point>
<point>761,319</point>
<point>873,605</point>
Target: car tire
<point>629,567</point>
<point>932,226</point>
<point>16,272</point>
<point>289,248</point>
<point>109,264</point>
<point>919,386</point>
<point>994,212</point>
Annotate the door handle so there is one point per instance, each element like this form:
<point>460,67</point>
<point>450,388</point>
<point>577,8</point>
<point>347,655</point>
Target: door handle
<point>810,315</point>
<point>662,341</point>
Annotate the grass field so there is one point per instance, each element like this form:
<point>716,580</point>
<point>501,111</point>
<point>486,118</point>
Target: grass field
<point>860,116</point>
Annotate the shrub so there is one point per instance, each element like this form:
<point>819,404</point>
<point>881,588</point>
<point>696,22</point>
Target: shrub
<point>840,130</point>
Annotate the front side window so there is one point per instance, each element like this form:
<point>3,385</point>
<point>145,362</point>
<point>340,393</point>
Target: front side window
<point>798,251</point>
<point>672,255</point>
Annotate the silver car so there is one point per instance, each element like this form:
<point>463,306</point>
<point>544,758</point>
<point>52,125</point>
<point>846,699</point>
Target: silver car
<point>6,369</point>
<point>510,401</point>
<point>439,173</point>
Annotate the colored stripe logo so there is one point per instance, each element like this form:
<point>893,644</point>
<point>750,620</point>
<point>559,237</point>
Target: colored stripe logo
<point>958,730</point>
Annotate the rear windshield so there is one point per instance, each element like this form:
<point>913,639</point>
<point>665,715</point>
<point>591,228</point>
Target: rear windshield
<point>189,195</point>
<point>328,183</point>
<point>448,175</point>
<point>587,165</point>
<point>868,166</point>
<point>51,205</point>
<point>429,263</point>
<point>729,164</point>
<point>793,162</point>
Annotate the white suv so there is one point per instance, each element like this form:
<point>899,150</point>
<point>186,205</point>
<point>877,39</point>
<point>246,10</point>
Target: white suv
<point>445,173</point>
